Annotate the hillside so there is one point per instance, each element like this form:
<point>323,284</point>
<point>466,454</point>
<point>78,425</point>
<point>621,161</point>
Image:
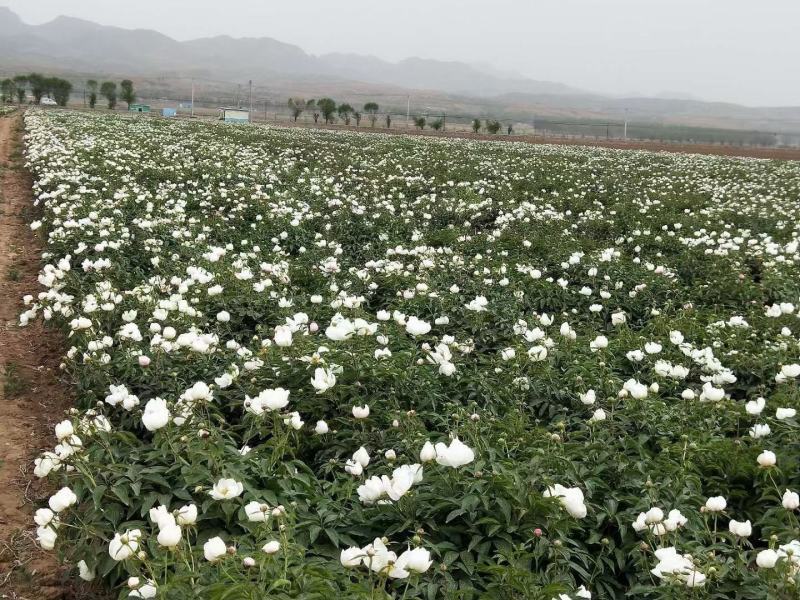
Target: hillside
<point>78,49</point>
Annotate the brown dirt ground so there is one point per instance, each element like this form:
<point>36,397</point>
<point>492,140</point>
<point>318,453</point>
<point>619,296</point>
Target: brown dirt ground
<point>719,150</point>
<point>32,395</point>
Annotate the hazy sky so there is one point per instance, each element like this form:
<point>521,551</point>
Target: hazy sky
<point>745,51</point>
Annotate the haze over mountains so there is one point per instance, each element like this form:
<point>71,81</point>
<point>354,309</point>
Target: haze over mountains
<point>83,45</point>
<point>74,46</point>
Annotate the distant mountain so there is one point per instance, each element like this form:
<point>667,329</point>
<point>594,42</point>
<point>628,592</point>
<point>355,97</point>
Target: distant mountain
<point>671,95</point>
<point>81,49</point>
<point>666,111</point>
<point>82,45</point>
<point>452,77</point>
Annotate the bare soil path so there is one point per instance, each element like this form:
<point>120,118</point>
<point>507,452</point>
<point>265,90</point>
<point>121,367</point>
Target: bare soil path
<point>32,397</point>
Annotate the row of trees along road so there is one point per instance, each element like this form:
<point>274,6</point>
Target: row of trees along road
<point>40,86</point>
<point>108,90</point>
<point>60,89</point>
<point>491,126</point>
<point>328,110</point>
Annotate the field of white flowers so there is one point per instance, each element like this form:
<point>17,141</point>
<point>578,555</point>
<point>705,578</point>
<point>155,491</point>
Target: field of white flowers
<point>324,364</point>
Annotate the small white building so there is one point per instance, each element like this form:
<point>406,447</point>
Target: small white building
<point>234,115</point>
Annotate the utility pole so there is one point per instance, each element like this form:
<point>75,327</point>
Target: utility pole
<point>238,94</point>
<point>250,112</point>
<point>408,110</point>
<point>625,129</point>
<point>192,113</point>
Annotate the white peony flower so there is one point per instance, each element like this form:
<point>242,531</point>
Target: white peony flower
<point>457,454</point>
<point>214,549</point>
<point>417,327</point>
<point>740,529</point>
<point>570,498</point>
<point>323,380</point>
<point>226,489</point>
<point>124,545</point>
<point>766,459</point>
<point>156,414</point>
<point>716,504</point>
<point>62,499</point>
<point>791,500</point>
<point>361,412</point>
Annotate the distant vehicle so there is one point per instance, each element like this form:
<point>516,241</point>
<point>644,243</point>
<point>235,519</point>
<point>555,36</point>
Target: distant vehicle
<point>49,102</point>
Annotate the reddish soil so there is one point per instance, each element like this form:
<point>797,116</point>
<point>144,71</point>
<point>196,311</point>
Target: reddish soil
<point>720,150</point>
<point>32,396</point>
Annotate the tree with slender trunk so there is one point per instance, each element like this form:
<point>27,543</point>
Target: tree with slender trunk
<point>420,122</point>
<point>371,108</point>
<point>297,106</point>
<point>127,93</point>
<point>109,91</point>
<point>20,81</point>
<point>91,87</point>
<point>327,107</point>
<point>476,126</point>
<point>388,121</point>
<point>345,110</point>
<point>311,106</point>
<point>60,90</point>
<point>38,85</point>
<point>7,90</point>
<point>357,117</point>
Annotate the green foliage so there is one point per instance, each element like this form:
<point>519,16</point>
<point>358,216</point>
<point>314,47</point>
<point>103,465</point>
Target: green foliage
<point>20,81</point>
<point>493,126</point>
<point>312,106</point>
<point>178,251</point>
<point>8,90</point>
<point>38,84</point>
<point>372,108</point>
<point>345,110</point>
<point>108,89</point>
<point>60,90</point>
<point>328,107</point>
<point>91,87</point>
<point>297,106</point>
<point>127,92</point>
